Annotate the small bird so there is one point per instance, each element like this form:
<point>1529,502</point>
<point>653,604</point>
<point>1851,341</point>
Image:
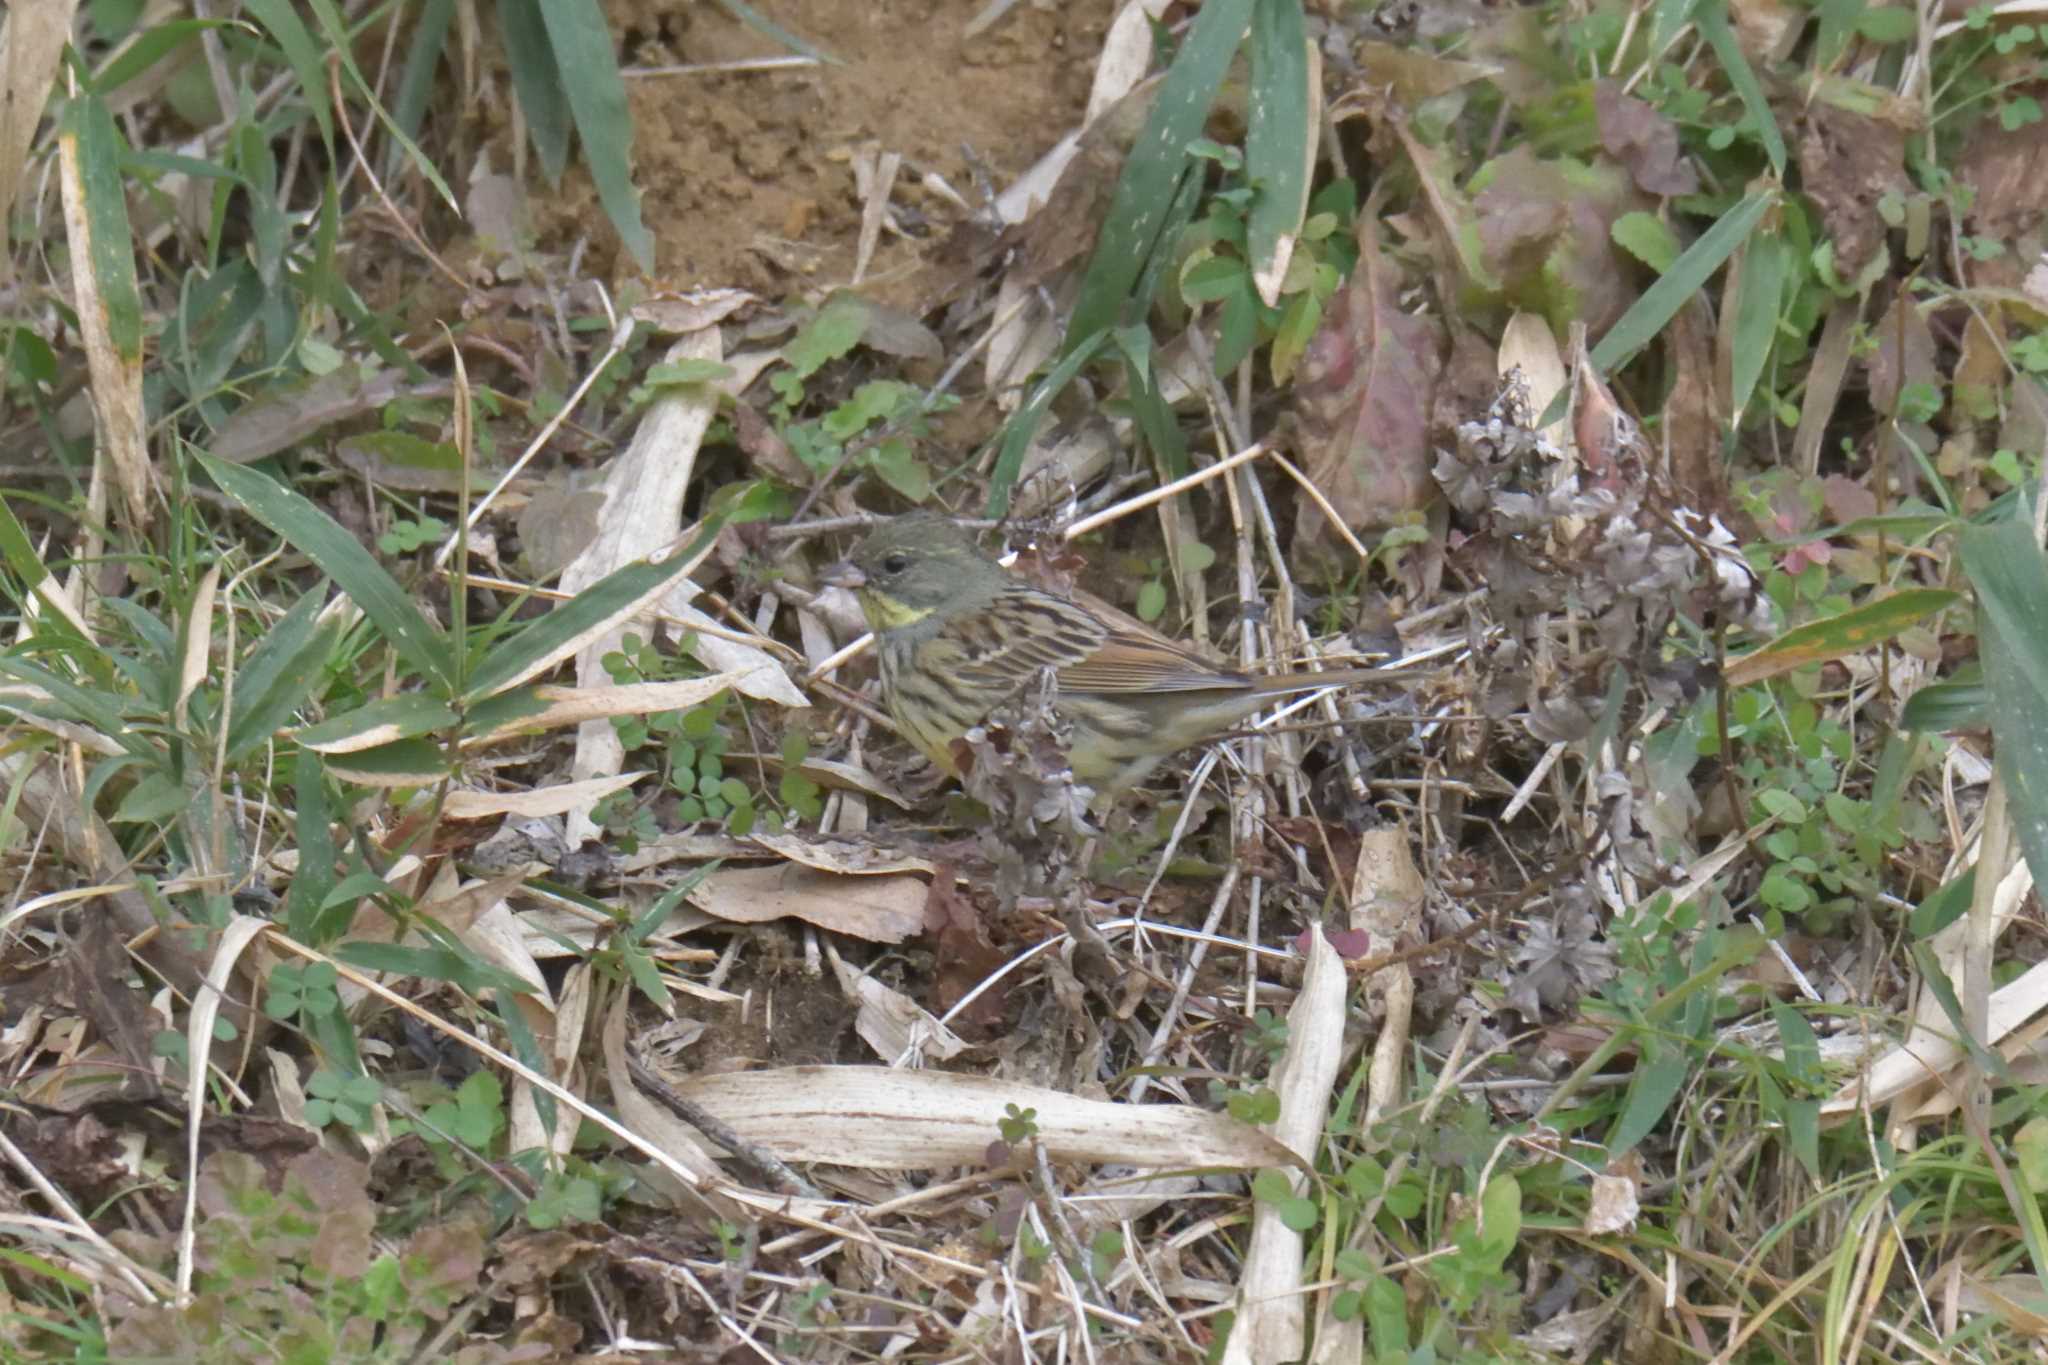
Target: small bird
<point>958,636</point>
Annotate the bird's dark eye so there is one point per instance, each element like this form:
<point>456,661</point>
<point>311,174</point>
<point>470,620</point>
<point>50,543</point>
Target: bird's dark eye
<point>896,563</point>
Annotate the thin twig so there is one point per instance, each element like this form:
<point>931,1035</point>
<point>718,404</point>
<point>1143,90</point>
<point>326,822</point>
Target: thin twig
<point>689,1111</point>
<point>1161,493</point>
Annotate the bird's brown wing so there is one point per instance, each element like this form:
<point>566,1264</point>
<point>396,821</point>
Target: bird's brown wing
<point>1025,630</point>
<point>998,650</point>
<point>1139,661</point>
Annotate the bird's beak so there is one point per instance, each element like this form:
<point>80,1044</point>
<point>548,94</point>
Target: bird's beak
<point>846,574</point>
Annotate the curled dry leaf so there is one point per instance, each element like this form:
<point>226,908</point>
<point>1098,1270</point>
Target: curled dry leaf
<point>883,909</point>
<point>899,1120</point>
<point>565,796</point>
<point>851,857</point>
<point>901,1032</point>
<point>1613,1207</point>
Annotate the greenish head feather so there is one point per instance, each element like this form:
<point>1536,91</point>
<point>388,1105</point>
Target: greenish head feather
<point>919,564</point>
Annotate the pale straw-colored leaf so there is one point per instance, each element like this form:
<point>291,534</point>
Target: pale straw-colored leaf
<point>900,1120</point>
<point>1271,1308</point>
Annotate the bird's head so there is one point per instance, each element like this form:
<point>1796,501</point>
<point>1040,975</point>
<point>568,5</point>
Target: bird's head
<point>908,568</point>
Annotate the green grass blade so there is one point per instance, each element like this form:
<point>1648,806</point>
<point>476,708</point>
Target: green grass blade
<point>307,893</point>
<point>768,28</point>
<point>1765,264</point>
<point>386,720</point>
<point>279,674</point>
<point>339,39</point>
<point>2019,731</point>
<point>461,968</point>
<point>1145,191</point>
<point>538,81</point>
<point>69,701</point>
<point>1017,435</point>
<point>341,557</point>
<point>597,97</point>
<point>422,62</point>
<point>2010,574</point>
<point>1711,19</point>
<point>603,605</point>
<point>150,47</point>
<point>100,148</point>
<point>1660,303</point>
<point>1279,148</point>
<point>280,18</point>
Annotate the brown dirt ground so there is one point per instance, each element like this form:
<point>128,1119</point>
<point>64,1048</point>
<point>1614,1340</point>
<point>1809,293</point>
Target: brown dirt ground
<point>748,178</point>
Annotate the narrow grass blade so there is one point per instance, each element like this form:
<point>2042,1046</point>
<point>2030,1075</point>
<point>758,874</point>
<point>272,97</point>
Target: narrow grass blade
<point>538,81</point>
<point>1145,191</point>
<point>597,98</point>
<point>384,721</point>
<point>119,298</point>
<point>460,968</point>
<point>422,61</point>
<point>599,608</point>
<point>407,763</point>
<point>308,891</point>
<point>151,46</point>
<point>1660,303</point>
<point>1279,141</point>
<point>280,18</point>
<point>1024,425</point>
<point>341,557</point>
<point>768,28</point>
<point>2010,574</point>
<point>2019,730</point>
<point>1848,632</point>
<point>1711,19</point>
<point>1766,261</point>
<point>343,47</point>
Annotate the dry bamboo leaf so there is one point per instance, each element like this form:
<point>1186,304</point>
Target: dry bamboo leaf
<point>1126,55</point>
<point>678,314</point>
<point>643,492</point>
<point>894,1119</point>
<point>31,45</point>
<point>852,858</point>
<point>575,705</point>
<point>885,909</point>
<point>1271,1317</point>
<point>900,1031</point>
<point>1527,344</point>
<point>116,371</point>
<point>235,938</point>
<point>651,1121</point>
<point>566,796</point>
<point>198,637</point>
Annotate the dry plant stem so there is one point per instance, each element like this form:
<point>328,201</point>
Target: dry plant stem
<point>622,332</point>
<point>719,68</point>
<point>763,1161</point>
<point>1047,1186</point>
<point>1169,1019</point>
<point>1315,495</point>
<point>678,1274</point>
<point>1248,801</point>
<point>151,1287</point>
<point>1160,494</point>
<point>1386,901</point>
<point>1995,855</point>
<point>362,163</point>
<point>216,58</point>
